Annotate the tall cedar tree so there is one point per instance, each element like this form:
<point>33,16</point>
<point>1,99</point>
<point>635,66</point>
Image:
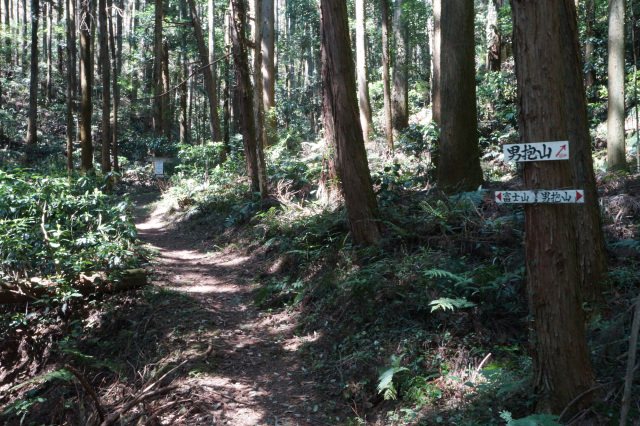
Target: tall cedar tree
<point>341,122</point>
<point>244,91</point>
<point>258,101</point>
<point>560,354</point>
<point>388,129</point>
<point>71,34</point>
<point>400,93</point>
<point>616,153</point>
<point>32,127</point>
<point>268,70</point>
<point>361,62</point>
<point>86,85</point>
<point>105,127</point>
<point>459,154</point>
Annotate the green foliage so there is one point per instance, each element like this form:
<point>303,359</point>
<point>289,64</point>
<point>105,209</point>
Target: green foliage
<point>385,381</point>
<point>56,226</point>
<point>532,420</point>
<point>446,303</point>
<point>418,139</point>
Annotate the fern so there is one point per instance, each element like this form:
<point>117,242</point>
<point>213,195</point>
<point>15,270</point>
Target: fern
<point>532,420</point>
<point>385,382</point>
<point>445,303</point>
<point>61,374</point>
<point>441,273</point>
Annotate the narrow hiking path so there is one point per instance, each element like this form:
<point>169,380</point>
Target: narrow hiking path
<point>253,375</point>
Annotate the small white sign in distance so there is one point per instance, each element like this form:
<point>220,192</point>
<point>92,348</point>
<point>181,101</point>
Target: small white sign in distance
<point>540,196</point>
<point>542,151</point>
<point>158,166</point>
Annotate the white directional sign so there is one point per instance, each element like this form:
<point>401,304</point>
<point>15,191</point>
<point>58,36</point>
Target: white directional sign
<point>542,151</point>
<point>540,196</point>
<point>158,166</point>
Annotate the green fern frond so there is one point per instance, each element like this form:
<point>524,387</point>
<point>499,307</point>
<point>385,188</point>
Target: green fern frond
<point>446,303</point>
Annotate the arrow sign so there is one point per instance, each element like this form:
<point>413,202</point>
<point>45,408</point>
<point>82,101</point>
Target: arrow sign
<point>540,196</point>
<point>542,151</point>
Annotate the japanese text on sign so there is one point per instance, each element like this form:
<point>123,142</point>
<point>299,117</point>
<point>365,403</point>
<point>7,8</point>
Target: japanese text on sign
<point>540,196</point>
<point>543,151</point>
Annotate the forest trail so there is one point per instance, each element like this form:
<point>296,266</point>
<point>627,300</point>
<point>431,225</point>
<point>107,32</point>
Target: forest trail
<point>251,374</point>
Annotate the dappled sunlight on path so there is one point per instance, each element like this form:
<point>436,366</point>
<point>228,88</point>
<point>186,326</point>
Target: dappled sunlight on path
<point>253,376</point>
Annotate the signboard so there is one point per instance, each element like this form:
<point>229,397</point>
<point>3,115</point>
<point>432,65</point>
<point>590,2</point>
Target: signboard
<point>540,196</point>
<point>158,166</point>
<point>543,151</point>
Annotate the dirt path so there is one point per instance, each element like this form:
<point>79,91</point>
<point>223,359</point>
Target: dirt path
<point>254,376</point>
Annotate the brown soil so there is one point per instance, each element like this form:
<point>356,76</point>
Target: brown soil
<point>255,376</point>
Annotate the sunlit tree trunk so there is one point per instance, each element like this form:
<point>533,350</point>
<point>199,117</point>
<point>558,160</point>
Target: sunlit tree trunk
<point>459,157</point>
<point>7,24</point>
<point>216,134</point>
<point>560,354</point>
<point>116,55</point>
<point>256,29</point>
<point>268,71</point>
<point>589,46</point>
<point>361,61</point>
<point>48,87</point>
<point>341,118</point>
<point>244,91</point>
<point>388,129</point>
<point>159,103</point>
<point>493,37</point>
<point>86,84</point>
<point>105,127</point>
<point>32,128</point>
<point>184,72</point>
<point>435,61</point>
<point>400,94</point>
<point>616,152</point>
<point>70,19</point>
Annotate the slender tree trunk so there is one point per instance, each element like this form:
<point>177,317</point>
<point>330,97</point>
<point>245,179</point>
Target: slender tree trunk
<point>157,70</point>
<point>384,6</point>
<point>184,72</point>
<point>32,127</point>
<point>86,83</point>
<point>616,151</point>
<point>400,93</point>
<point>341,117</point>
<point>106,87</point>
<point>268,71</point>
<point>589,46</point>
<point>361,61</point>
<point>226,90</point>
<point>70,20</point>
<point>244,91</point>
<point>459,159</point>
<point>435,61</point>
<point>167,120</point>
<point>209,82</point>
<point>7,26</point>
<point>115,42</point>
<point>49,54</point>
<point>560,357</point>
<point>258,101</point>
<point>493,37</point>
<point>24,29</point>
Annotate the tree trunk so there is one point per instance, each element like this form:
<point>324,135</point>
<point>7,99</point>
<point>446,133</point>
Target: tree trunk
<point>616,152</point>
<point>70,19</point>
<point>589,46</point>
<point>48,87</point>
<point>259,101</point>
<point>116,51</point>
<point>184,72</point>
<point>400,94</point>
<point>268,71</point>
<point>493,37</point>
<point>7,27</point>
<point>226,89</point>
<point>32,128</point>
<point>106,87</point>
<point>560,354</point>
<point>384,6</point>
<point>459,157</point>
<point>209,82</point>
<point>361,61</point>
<point>341,117</point>
<point>592,259</point>
<point>436,104</point>
<point>86,83</point>
<point>244,91</point>
<point>158,124</point>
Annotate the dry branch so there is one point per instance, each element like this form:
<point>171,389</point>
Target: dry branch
<point>21,291</point>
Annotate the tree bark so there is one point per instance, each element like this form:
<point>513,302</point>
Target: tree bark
<point>560,353</point>
<point>493,37</point>
<point>436,106</point>
<point>212,58</point>
<point>268,71</point>
<point>589,46</point>
<point>116,56</point>
<point>616,152</point>
<point>592,260</point>
<point>48,87</point>
<point>459,156</point>
<point>400,94</point>
<point>388,129</point>
<point>361,61</point>
<point>86,83</point>
<point>70,19</point>
<point>158,75</point>
<point>341,117</point>
<point>244,91</point>
<point>209,82</point>
<point>259,101</point>
<point>105,128</point>
<point>32,127</point>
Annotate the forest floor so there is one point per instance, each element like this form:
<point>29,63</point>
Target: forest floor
<point>251,374</point>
